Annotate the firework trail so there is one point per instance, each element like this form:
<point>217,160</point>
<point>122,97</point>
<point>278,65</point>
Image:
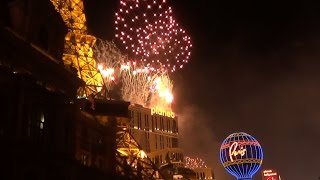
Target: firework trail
<point>135,85</point>
<point>161,91</point>
<point>156,45</point>
<point>109,60</point>
<point>139,84</point>
<point>194,163</point>
<point>149,33</point>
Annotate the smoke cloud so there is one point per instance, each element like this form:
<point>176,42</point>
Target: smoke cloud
<point>198,140</point>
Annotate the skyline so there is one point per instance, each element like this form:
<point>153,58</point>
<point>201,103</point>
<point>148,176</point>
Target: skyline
<point>253,68</point>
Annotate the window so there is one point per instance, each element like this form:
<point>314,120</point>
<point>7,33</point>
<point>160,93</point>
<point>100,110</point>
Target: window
<point>35,124</point>
<point>161,124</point>
<point>174,142</point>
<point>41,121</point>
<point>84,139</point>
<point>100,145</point>
<point>167,123</point>
<point>44,37</point>
<point>4,114</point>
<point>152,125</point>
<point>156,140</point>
<point>161,142</point>
<point>168,141</point>
<point>156,121</point>
<point>29,127</point>
<point>177,129</point>
<point>174,126</point>
<point>139,120</point>
<point>146,117</point>
<point>84,159</point>
<point>202,175</point>
<point>147,138</point>
<point>132,114</point>
<point>157,161</point>
<point>132,119</point>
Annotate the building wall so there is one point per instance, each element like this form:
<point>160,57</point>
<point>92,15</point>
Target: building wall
<point>95,141</point>
<point>203,173</point>
<point>34,127</point>
<point>156,134</point>
<point>43,132</point>
<point>37,22</point>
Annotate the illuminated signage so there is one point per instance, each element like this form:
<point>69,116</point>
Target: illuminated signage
<point>234,150</point>
<point>270,174</point>
<point>241,155</point>
<point>162,112</point>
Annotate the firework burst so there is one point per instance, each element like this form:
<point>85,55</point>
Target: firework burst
<point>150,34</point>
<point>109,60</point>
<point>139,84</point>
<point>194,163</point>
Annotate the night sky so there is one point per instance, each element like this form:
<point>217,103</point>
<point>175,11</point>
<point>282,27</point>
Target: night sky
<point>255,67</point>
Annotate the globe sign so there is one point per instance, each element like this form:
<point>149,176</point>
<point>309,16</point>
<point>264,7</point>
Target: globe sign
<point>241,155</point>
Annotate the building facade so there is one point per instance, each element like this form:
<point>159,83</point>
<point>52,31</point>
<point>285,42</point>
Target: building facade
<point>156,131</point>
<point>46,132</point>
<point>203,173</point>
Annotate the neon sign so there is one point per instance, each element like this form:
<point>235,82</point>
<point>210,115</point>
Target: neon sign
<point>270,174</point>
<point>234,152</point>
<point>241,155</point>
<point>162,112</point>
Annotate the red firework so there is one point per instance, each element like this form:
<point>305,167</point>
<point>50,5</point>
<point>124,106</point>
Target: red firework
<point>149,33</point>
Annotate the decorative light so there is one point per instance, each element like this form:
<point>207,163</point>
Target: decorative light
<point>241,155</point>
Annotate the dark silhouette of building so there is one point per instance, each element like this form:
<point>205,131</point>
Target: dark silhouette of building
<point>171,171</point>
<point>45,131</point>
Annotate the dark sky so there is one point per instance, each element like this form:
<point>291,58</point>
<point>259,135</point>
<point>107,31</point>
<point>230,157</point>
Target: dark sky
<point>255,67</point>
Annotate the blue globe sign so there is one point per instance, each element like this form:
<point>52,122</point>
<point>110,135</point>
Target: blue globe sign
<point>241,155</point>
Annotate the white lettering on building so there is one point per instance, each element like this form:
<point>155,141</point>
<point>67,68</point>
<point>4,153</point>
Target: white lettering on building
<point>162,112</point>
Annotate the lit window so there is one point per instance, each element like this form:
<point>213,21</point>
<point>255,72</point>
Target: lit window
<point>41,121</point>
<point>84,159</point>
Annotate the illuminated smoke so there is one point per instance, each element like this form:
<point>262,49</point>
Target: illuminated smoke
<point>139,84</point>
<point>198,140</point>
<point>109,59</point>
